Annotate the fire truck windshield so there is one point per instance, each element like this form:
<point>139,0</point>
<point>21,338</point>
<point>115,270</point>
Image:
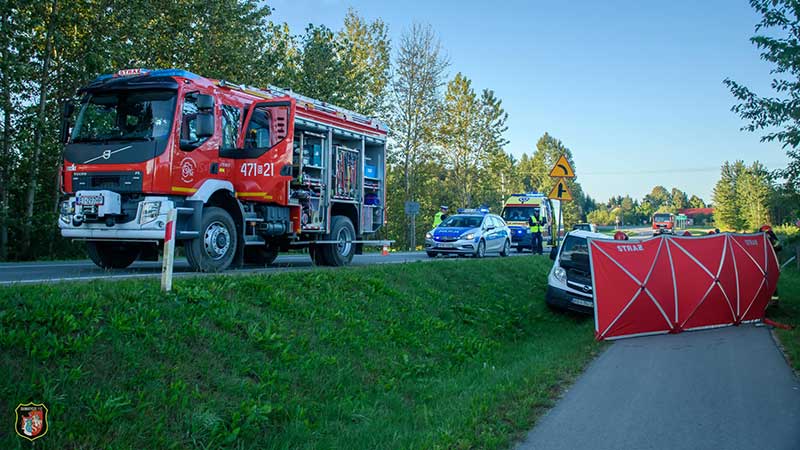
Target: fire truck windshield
<point>125,116</point>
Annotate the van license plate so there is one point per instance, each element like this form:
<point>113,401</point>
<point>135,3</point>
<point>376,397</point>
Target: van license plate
<point>90,200</point>
<point>585,303</point>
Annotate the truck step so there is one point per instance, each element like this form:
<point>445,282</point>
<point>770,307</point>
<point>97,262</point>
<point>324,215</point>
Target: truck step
<point>253,240</point>
<point>252,217</point>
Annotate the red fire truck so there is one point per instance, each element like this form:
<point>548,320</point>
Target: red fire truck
<point>250,172</point>
<point>663,223</point>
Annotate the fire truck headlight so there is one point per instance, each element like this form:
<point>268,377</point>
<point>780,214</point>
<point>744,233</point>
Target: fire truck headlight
<point>66,210</point>
<point>150,212</point>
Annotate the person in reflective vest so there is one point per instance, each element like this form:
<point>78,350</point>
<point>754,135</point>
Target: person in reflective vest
<point>439,217</point>
<point>536,235</point>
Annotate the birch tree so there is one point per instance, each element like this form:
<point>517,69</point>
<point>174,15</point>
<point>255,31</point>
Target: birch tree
<point>415,92</point>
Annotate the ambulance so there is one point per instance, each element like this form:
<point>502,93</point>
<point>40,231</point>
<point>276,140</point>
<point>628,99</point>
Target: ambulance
<point>518,208</point>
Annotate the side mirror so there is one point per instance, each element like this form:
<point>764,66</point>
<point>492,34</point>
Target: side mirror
<point>205,124</point>
<point>553,252</point>
<point>66,113</point>
<point>205,102</point>
<point>490,228</point>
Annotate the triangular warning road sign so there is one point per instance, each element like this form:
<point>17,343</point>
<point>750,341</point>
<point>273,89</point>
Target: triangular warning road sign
<point>560,191</point>
<point>562,169</point>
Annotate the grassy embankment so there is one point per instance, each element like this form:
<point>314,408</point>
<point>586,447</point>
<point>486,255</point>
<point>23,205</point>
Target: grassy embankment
<point>789,289</point>
<point>789,313</point>
<point>451,354</point>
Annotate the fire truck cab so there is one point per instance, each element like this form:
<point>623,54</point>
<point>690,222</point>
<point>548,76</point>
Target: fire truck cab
<point>250,172</point>
<point>663,223</point>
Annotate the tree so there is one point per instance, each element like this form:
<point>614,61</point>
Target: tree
<point>754,189</point>
<point>419,72</point>
<point>727,213</point>
<point>459,137</point>
<point>627,207</point>
<point>322,73</point>
<point>365,52</point>
<point>659,197</point>
<point>779,115</point>
<point>678,200</point>
<point>696,202</point>
<point>470,132</point>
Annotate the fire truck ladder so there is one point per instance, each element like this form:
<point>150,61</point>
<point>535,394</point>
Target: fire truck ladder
<point>307,102</point>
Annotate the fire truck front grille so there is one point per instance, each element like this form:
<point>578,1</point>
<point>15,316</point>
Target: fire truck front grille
<point>121,182</point>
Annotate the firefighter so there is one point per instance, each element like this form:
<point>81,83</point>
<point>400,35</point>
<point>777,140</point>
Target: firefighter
<point>776,245</point>
<point>536,235</point>
<point>439,217</point>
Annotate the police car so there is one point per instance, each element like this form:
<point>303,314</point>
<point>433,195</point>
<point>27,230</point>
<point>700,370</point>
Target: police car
<point>569,284</point>
<point>470,232</point>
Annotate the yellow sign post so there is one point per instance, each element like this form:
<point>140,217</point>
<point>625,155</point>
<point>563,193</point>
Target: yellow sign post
<point>560,191</point>
<point>562,169</point>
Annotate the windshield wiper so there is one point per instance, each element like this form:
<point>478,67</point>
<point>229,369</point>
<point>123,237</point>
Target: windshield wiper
<point>134,138</point>
<point>87,139</point>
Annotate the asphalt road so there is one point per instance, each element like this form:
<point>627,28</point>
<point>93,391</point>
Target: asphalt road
<point>727,388</point>
<point>55,271</point>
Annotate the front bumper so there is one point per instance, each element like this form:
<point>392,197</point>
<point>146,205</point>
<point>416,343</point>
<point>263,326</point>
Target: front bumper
<point>559,298</point>
<point>520,237</point>
<point>461,246</point>
<point>130,230</point>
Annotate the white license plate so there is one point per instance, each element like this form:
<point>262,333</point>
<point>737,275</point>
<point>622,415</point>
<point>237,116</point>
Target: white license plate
<point>90,200</point>
<point>447,245</point>
<point>585,303</point>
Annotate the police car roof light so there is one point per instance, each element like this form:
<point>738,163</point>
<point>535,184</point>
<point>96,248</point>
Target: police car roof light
<point>473,211</point>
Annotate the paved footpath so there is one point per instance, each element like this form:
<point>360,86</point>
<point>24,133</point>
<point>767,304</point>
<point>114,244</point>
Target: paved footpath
<point>727,388</point>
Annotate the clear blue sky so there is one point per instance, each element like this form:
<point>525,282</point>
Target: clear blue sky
<point>634,88</point>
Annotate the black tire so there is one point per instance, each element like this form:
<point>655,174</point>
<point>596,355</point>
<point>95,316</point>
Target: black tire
<point>432,254</point>
<point>481,251</point>
<point>113,255</point>
<point>215,249</point>
<point>506,249</point>
<point>342,253</point>
<point>260,255</point>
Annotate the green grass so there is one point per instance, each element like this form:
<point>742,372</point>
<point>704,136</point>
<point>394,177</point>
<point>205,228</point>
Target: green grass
<point>788,312</point>
<point>450,354</point>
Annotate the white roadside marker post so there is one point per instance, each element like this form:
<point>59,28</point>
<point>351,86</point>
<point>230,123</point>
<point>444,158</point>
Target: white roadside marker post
<point>169,252</point>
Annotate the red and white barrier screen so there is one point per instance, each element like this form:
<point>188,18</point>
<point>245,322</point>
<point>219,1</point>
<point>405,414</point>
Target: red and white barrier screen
<point>670,284</point>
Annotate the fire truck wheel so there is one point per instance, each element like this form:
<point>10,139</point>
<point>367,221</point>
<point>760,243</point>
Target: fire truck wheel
<point>112,255</point>
<point>261,255</point>
<point>214,250</point>
<point>342,252</point>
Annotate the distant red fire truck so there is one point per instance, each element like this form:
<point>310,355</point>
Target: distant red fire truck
<point>663,223</point>
<point>250,172</point>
